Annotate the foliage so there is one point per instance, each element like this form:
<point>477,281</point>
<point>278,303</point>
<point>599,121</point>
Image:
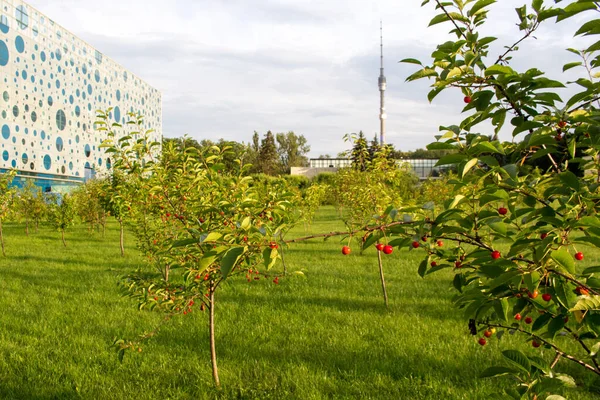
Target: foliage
<point>292,150</point>
<point>268,159</point>
<point>61,214</point>
<point>31,205</point>
<point>6,200</point>
<point>88,199</point>
<point>520,210</point>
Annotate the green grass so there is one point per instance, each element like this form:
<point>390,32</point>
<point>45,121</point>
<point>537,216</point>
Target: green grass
<point>325,335</point>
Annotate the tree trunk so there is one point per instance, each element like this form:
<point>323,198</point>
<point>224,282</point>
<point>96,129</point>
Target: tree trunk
<point>282,259</point>
<point>62,232</point>
<point>2,239</point>
<point>385,296</point>
<point>211,328</point>
<point>121,238</point>
<point>26,227</point>
<point>37,225</point>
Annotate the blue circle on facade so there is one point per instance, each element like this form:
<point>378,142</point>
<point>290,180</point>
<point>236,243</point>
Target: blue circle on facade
<point>24,74</point>
<point>5,131</point>
<point>47,162</point>
<point>13,163</point>
<point>77,111</point>
<point>108,163</point>
<point>71,166</point>
<point>118,95</point>
<point>59,144</point>
<point>24,158</point>
<point>50,101</point>
<point>19,44</point>
<point>4,56</point>
<point>100,162</point>
<point>89,89</point>
<point>97,76</point>
<point>58,54</point>
<point>117,114</point>
<point>61,120</point>
<point>43,56</point>
<point>43,135</point>
<point>5,155</point>
<point>87,150</point>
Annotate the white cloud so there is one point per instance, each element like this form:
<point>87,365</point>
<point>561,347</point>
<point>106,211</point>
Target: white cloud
<point>228,68</point>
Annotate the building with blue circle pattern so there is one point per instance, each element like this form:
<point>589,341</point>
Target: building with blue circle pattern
<point>51,84</point>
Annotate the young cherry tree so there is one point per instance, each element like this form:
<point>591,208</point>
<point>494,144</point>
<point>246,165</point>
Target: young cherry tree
<point>6,200</point>
<point>523,212</point>
<point>62,214</point>
<point>195,223</point>
<point>31,205</point>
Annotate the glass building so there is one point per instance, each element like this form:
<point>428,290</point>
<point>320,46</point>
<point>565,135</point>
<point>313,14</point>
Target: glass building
<point>51,84</point>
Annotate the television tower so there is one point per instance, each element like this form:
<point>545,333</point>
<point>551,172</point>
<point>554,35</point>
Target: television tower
<point>382,85</point>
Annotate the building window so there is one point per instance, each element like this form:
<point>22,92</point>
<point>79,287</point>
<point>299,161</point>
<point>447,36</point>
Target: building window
<point>98,57</point>
<point>59,144</point>
<point>22,17</point>
<point>61,120</point>
<point>87,150</point>
<point>47,162</point>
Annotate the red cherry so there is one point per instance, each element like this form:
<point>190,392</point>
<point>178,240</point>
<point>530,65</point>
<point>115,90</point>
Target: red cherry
<point>547,296</point>
<point>495,254</point>
<point>518,317</point>
<point>487,333</point>
<point>533,295</point>
<point>273,245</point>
<point>440,243</point>
<point>379,246</point>
<point>502,211</point>
<point>433,264</point>
<point>543,236</point>
<point>582,291</point>
<point>457,264</point>
<point>535,344</point>
<point>276,280</point>
<point>482,341</point>
<point>387,249</point>
<point>528,320</point>
<point>579,256</point>
<point>467,99</point>
<point>424,238</point>
<point>415,244</point>
<point>346,250</point>
<point>562,124</point>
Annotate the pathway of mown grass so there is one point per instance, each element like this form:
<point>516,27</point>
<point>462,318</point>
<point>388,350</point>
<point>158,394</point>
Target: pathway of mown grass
<point>324,335</point>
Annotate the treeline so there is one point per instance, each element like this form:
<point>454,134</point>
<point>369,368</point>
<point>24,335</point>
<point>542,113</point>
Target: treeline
<point>273,154</point>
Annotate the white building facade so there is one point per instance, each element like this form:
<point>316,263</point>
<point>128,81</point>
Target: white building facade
<point>51,84</point>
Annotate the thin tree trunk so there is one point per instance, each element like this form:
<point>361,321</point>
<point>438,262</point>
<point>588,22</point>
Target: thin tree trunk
<point>2,239</point>
<point>27,227</point>
<point>121,238</point>
<point>211,328</point>
<point>63,237</point>
<point>282,259</point>
<point>37,224</point>
<point>385,296</point>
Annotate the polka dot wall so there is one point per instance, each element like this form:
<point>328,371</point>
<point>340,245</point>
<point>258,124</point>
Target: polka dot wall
<point>51,84</point>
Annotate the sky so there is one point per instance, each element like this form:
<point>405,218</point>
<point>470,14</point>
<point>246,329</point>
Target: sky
<point>229,68</point>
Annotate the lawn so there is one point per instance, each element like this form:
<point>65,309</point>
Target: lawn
<point>326,334</point>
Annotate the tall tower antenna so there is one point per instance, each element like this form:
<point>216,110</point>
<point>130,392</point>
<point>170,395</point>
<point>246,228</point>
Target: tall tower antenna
<point>382,86</point>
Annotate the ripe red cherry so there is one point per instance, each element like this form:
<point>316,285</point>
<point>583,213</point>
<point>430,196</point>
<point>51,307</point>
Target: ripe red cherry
<point>415,244</point>
<point>457,264</point>
<point>582,291</point>
<point>379,246</point>
<point>502,211</point>
<point>562,124</point>
<point>518,317</point>
<point>547,296</point>
<point>346,250</point>
<point>387,249</point>
<point>433,264</point>
<point>482,341</point>
<point>535,344</point>
<point>273,245</point>
<point>495,254</point>
<point>487,333</point>
<point>579,256</point>
<point>467,99</point>
<point>424,238</point>
<point>276,280</point>
<point>543,236</point>
<point>528,320</point>
<point>440,243</point>
<point>533,295</point>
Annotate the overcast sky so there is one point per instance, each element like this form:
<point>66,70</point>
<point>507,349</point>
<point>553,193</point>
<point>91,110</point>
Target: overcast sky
<point>229,67</point>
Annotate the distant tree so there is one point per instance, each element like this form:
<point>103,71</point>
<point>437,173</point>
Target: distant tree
<point>422,153</point>
<point>324,157</point>
<point>292,150</point>
<point>6,199</point>
<point>62,215</point>
<point>31,204</point>
<point>373,147</point>
<point>268,160</point>
<point>360,151</point>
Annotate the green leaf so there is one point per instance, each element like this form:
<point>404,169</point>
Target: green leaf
<point>499,70</point>
<point>470,164</point>
<point>246,223</point>
<point>270,257</point>
<point>555,326</point>
<point>518,359</point>
<point>480,5</point>
<point>564,260</point>
<point>411,61</point>
<point>230,259</point>
<point>439,19</point>
<point>571,65</point>
<point>501,308</point>
<point>591,270</point>
<point>451,159</point>
<point>570,179</point>
<point>497,371</point>
<point>541,321</point>
<point>423,268</point>
<point>555,397</point>
<point>587,303</point>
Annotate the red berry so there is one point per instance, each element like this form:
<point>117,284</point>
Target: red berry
<point>457,264</point>
<point>273,245</point>
<point>387,249</point>
<point>346,250</point>
<point>528,320</point>
<point>433,264</point>
<point>482,341</point>
<point>502,211</point>
<point>495,254</point>
<point>533,295</point>
<point>467,99</point>
<point>276,280</point>
<point>547,296</point>
<point>562,124</point>
<point>415,244</point>
<point>518,317</point>
<point>579,256</point>
<point>379,246</point>
<point>487,333</point>
<point>535,344</point>
<point>543,236</point>
<point>440,243</point>
<point>424,238</point>
<point>582,291</point>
